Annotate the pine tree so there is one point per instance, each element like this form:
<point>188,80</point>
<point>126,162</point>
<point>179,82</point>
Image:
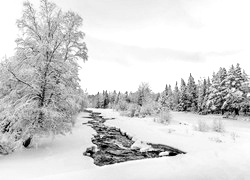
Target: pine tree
<point>202,91</point>
<point>166,91</point>
<point>183,103</point>
<point>97,100</point>
<point>208,83</point>
<point>164,97</point>
<point>117,98</point>
<point>176,96</point>
<point>157,97</point>
<point>105,99</point>
<point>234,92</point>
<point>218,90</point>
<point>126,97</point>
<point>170,98</point>
<point>113,98</point>
<point>245,105</point>
<point>191,94</point>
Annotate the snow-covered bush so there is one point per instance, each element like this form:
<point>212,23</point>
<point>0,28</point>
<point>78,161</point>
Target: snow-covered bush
<point>151,108</point>
<point>218,126</point>
<point>163,117</point>
<point>202,126</point>
<point>6,145</point>
<point>234,136</point>
<point>215,139</point>
<point>121,106</point>
<point>133,110</point>
<point>146,110</point>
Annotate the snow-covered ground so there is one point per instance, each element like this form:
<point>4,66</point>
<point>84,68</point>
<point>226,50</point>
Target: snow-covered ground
<point>61,154</point>
<point>210,155</point>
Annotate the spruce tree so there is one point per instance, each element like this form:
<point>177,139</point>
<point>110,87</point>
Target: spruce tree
<point>183,103</point>
<point>206,102</point>
<point>202,90</point>
<point>157,97</point>
<point>105,99</point>
<point>245,105</point>
<point>218,90</point>
<point>164,97</point>
<point>98,100</point>
<point>234,90</point>
<point>113,97</point>
<point>126,97</point>
<point>170,98</point>
<point>191,94</point>
<point>117,98</point>
<point>176,96</point>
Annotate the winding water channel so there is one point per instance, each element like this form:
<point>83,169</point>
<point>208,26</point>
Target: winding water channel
<point>114,146</point>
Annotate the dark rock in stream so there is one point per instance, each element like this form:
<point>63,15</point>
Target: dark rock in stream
<point>114,146</point>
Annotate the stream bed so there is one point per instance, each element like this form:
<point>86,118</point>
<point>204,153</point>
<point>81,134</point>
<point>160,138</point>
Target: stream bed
<point>114,146</point>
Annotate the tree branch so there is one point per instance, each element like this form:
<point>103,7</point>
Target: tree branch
<point>20,79</point>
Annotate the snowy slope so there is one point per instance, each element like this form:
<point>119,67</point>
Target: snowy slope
<point>206,158</point>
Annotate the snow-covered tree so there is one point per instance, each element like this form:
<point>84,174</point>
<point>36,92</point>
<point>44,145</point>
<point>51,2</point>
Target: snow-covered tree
<point>41,83</point>
<point>163,100</point>
<point>118,97</point>
<point>144,94</point>
<point>166,98</point>
<point>126,97</point>
<point>105,99</point>
<point>206,103</point>
<point>170,98</point>
<point>202,90</point>
<point>191,94</point>
<point>176,96</point>
<point>245,105</point>
<point>218,91</point>
<point>183,101</point>
<point>112,98</point>
<point>234,96</point>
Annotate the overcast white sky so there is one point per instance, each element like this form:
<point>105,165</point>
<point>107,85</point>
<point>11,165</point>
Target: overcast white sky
<point>154,41</point>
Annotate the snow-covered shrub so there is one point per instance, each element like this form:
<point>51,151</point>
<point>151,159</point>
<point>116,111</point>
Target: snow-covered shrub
<point>121,106</point>
<point>156,107</point>
<point>125,113</point>
<point>163,117</point>
<point>218,126</point>
<point>6,146</point>
<point>234,136</point>
<point>150,108</point>
<point>202,126</point>
<point>146,110</point>
<point>215,139</point>
<point>133,110</point>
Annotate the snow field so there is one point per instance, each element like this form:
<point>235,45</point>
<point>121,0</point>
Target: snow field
<point>210,155</point>
<point>61,154</point>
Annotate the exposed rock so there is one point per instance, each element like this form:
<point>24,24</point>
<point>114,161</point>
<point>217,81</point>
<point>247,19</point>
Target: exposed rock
<point>115,146</point>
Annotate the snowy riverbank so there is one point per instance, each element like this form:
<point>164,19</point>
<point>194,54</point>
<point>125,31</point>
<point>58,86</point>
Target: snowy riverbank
<point>210,155</point>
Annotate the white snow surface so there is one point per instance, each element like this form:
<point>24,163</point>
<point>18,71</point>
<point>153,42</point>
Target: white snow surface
<point>210,155</point>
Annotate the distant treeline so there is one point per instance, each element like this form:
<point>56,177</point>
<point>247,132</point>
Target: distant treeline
<point>227,92</point>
